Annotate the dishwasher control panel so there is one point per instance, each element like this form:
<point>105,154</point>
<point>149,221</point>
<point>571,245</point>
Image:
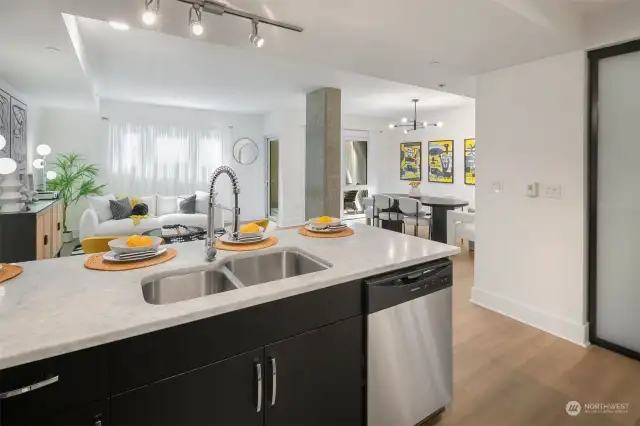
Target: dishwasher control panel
<point>404,285</point>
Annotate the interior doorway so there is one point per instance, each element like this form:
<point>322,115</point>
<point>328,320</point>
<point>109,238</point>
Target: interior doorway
<point>273,184</point>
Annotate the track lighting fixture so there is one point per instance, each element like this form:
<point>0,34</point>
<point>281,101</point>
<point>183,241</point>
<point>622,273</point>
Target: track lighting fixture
<point>217,8</point>
<point>255,38</point>
<point>195,20</point>
<point>411,125</point>
<point>150,15</point>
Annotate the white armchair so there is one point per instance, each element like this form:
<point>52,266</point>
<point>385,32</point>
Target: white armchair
<point>88,224</point>
<point>460,225</point>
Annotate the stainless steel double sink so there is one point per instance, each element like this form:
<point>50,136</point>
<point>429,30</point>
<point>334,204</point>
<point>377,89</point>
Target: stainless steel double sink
<point>234,273</point>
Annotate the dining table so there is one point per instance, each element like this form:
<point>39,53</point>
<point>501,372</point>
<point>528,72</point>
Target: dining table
<point>439,208</point>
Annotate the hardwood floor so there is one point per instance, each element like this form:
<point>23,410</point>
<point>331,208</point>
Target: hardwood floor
<point>508,373</point>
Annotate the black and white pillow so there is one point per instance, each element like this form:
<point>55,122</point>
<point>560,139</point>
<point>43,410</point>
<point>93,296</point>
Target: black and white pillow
<point>188,205</point>
<point>120,209</point>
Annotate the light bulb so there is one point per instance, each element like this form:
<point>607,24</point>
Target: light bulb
<point>404,119</point>
<point>39,163</point>
<point>425,124</point>
<point>439,124</point>
<point>406,131</point>
<point>51,175</point>
<point>258,41</point>
<point>3,142</point>
<point>43,150</point>
<point>391,126</point>
<point>7,166</point>
<point>120,26</point>
<point>197,28</point>
<point>149,17</point>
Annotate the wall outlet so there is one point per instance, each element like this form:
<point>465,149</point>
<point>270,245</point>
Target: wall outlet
<point>496,187</point>
<point>532,190</point>
<point>552,190</point>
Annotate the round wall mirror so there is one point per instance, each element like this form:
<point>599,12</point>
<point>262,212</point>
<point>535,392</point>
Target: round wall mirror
<point>245,151</point>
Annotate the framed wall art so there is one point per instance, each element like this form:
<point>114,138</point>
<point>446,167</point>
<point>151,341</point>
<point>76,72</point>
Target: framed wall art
<point>5,123</point>
<point>19,134</point>
<point>411,161</point>
<point>441,161</point>
<point>470,161</point>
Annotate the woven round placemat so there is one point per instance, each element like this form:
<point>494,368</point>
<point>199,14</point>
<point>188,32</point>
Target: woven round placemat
<point>271,241</point>
<point>346,232</point>
<point>96,262</point>
<point>9,271</point>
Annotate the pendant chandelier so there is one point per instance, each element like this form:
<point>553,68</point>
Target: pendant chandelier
<point>414,124</point>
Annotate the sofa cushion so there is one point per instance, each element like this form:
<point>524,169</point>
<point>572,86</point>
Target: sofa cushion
<point>187,205</point>
<point>120,209</point>
<point>166,205</point>
<point>196,219</point>
<point>126,227</point>
<point>100,205</point>
<point>202,201</point>
<point>150,201</point>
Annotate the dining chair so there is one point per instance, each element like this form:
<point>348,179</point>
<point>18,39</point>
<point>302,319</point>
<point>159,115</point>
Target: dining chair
<point>384,202</point>
<point>414,216</point>
<point>369,212</point>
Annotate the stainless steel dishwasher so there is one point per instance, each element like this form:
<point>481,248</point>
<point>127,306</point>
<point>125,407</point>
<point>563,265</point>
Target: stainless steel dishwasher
<point>409,345</point>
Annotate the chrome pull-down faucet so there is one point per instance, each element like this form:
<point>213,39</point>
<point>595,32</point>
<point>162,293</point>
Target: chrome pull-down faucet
<point>210,242</point>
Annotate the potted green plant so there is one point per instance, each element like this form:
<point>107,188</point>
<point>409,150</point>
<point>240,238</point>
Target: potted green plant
<point>74,180</point>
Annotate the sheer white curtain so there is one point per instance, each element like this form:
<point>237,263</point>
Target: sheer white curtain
<point>170,160</point>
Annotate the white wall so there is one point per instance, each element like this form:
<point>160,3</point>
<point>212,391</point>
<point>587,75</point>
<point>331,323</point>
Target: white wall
<point>459,124</point>
<point>84,132</point>
<point>530,257</point>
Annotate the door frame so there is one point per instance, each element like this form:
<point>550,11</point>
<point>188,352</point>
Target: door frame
<point>267,168</point>
<point>595,56</point>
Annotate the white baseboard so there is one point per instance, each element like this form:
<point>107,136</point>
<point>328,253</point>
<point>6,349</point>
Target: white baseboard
<point>568,330</point>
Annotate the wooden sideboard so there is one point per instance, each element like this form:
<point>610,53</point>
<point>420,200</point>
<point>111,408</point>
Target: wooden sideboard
<point>32,235</point>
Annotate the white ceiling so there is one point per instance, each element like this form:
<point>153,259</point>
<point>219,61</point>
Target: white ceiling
<point>394,41</point>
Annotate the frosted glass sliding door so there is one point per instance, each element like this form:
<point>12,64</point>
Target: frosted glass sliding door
<point>615,308</point>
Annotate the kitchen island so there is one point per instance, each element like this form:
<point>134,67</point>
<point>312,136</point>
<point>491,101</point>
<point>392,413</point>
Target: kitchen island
<point>122,353</point>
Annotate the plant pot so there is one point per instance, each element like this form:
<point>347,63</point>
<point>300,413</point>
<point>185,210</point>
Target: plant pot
<point>414,192</point>
<point>67,237</point>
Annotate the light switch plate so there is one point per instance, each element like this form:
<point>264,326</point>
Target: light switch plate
<point>532,190</point>
<point>552,190</point>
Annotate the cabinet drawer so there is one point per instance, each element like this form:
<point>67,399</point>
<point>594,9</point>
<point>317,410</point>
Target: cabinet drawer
<point>93,414</point>
<point>63,381</point>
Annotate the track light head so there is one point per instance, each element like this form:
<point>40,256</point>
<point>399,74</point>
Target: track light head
<point>254,37</point>
<point>195,20</point>
<point>150,15</point>
<point>439,124</point>
<point>392,126</point>
<point>404,119</point>
<point>406,131</point>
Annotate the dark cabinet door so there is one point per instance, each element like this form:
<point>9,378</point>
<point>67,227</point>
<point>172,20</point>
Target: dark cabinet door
<point>317,378</point>
<point>228,393</point>
<point>95,414</point>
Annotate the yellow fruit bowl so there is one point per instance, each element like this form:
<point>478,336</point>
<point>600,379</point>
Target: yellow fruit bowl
<point>324,222</point>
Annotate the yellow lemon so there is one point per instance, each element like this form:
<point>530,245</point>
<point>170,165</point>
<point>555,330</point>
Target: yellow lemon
<point>249,227</point>
<point>325,219</point>
<point>139,241</point>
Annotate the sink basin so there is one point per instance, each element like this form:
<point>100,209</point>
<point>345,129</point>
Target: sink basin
<point>273,266</point>
<point>187,286</point>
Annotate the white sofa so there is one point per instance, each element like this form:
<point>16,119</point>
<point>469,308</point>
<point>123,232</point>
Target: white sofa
<point>96,221</point>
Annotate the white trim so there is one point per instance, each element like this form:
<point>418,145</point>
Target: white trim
<point>568,330</point>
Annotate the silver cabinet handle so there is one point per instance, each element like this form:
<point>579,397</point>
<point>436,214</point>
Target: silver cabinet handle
<point>98,423</point>
<point>274,381</point>
<point>29,388</point>
<point>259,383</point>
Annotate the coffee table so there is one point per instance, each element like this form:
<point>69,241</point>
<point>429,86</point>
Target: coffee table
<point>188,234</point>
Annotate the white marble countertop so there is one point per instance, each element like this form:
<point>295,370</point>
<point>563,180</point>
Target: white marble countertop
<point>58,306</point>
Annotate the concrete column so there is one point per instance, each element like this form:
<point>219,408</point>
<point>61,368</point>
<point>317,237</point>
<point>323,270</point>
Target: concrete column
<point>323,189</point>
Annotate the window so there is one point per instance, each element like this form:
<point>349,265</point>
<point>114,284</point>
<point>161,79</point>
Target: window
<point>171,160</point>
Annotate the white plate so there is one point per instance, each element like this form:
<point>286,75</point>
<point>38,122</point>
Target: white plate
<point>226,238</point>
<point>253,234</point>
<point>111,256</point>
<point>311,228</point>
<point>334,221</point>
<point>119,245</point>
